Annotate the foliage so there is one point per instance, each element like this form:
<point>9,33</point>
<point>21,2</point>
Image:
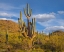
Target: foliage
<point>54,42</point>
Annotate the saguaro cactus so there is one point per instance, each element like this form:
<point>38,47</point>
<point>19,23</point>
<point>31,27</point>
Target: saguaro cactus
<point>20,21</point>
<point>6,36</point>
<point>34,25</point>
<point>27,12</point>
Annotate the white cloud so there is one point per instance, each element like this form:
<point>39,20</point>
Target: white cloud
<point>53,13</point>
<point>51,21</point>
<point>53,25</point>
<point>44,17</point>
<point>3,19</point>
<point>53,28</point>
<point>47,23</point>
<point>61,12</point>
<point>9,19</point>
<point>4,14</point>
<point>8,16</point>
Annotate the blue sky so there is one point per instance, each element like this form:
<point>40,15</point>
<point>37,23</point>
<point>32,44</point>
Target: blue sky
<point>49,14</point>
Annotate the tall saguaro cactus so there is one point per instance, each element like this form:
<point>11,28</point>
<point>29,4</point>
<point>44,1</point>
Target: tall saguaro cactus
<point>29,30</point>
<point>27,12</point>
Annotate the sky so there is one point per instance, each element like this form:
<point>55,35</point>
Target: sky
<point>49,14</point>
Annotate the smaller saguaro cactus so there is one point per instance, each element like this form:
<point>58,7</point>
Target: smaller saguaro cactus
<point>37,32</point>
<point>20,21</point>
<point>34,25</point>
<point>49,34</point>
<point>6,36</point>
<point>42,32</point>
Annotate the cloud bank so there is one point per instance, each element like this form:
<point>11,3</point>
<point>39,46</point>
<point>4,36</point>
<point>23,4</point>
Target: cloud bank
<point>50,21</point>
<point>43,17</point>
<point>53,28</point>
<point>4,14</point>
<point>61,12</point>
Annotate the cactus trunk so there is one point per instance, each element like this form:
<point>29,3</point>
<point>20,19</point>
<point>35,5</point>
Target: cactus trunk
<point>29,34</point>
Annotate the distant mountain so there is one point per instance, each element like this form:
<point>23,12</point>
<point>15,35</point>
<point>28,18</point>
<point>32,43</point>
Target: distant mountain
<point>58,32</point>
<point>8,24</point>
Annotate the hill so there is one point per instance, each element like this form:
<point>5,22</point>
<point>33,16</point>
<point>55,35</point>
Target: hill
<point>8,24</point>
<point>58,32</point>
<point>53,42</point>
